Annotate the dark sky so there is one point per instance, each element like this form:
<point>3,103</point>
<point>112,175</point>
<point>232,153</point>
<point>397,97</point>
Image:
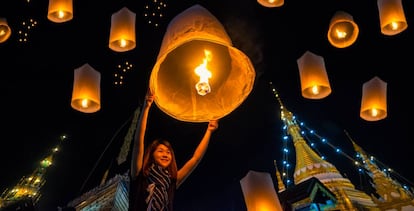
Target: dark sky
<point>37,79</point>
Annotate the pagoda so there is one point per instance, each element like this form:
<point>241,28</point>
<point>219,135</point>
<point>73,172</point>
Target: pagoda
<point>26,193</point>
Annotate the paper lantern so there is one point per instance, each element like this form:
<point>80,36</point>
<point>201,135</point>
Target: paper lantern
<point>259,192</point>
<point>343,31</point>
<point>86,95</point>
<point>374,100</point>
<point>122,34</point>
<point>60,10</point>
<point>271,3</point>
<point>391,15</point>
<point>313,77</point>
<point>195,42</point>
<point>5,30</point>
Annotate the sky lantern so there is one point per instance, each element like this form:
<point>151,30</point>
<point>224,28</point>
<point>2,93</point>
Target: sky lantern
<point>271,3</point>
<point>122,33</point>
<point>343,31</point>
<point>374,100</point>
<point>5,30</point>
<point>391,15</point>
<point>60,11</point>
<point>259,192</point>
<point>313,77</point>
<point>199,75</point>
<point>86,94</point>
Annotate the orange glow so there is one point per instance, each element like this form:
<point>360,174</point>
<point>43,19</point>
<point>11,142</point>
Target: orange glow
<point>60,10</point>
<point>392,17</point>
<point>374,100</point>
<point>203,87</point>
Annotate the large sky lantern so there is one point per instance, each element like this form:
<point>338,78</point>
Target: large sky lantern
<point>199,75</point>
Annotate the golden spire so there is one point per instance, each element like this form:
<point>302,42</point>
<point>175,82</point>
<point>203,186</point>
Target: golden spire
<point>280,184</point>
<point>391,194</point>
<point>309,164</point>
<point>29,186</point>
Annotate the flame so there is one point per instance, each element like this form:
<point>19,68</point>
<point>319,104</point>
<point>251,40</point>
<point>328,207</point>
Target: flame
<point>203,87</point>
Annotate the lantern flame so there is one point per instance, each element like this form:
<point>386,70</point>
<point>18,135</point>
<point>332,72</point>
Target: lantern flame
<point>315,89</point>
<point>374,112</point>
<point>203,87</point>
<point>85,103</point>
<point>340,34</point>
<point>61,14</point>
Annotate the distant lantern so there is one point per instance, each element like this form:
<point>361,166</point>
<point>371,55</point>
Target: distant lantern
<point>5,30</point>
<point>271,3</point>
<point>313,77</point>
<point>60,10</point>
<point>374,100</point>
<point>391,15</point>
<point>122,34</point>
<point>86,95</point>
<point>343,31</point>
<point>259,192</point>
<point>199,75</point>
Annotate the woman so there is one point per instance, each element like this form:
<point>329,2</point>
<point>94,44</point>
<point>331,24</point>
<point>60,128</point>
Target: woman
<point>154,175</point>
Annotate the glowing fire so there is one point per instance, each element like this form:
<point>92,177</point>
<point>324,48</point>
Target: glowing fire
<point>203,87</point>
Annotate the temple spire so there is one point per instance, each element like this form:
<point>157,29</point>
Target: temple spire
<point>391,193</point>
<point>309,164</point>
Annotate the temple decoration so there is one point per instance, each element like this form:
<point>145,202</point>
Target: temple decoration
<point>271,3</point>
<point>392,17</point>
<point>259,192</point>
<point>5,30</point>
<point>86,95</point>
<point>374,100</point>
<point>343,31</point>
<point>199,75</point>
<point>313,77</point>
<point>60,11</point>
<point>122,34</point>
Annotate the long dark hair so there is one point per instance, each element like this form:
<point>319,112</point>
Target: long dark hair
<point>149,159</point>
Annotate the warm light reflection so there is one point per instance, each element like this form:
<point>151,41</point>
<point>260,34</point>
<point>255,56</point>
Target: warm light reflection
<point>203,87</point>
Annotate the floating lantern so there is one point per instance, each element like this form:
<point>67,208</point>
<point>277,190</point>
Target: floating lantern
<point>259,192</point>
<point>5,30</point>
<point>122,34</point>
<point>86,95</point>
<point>313,77</point>
<point>391,15</point>
<point>199,75</point>
<point>60,10</point>
<point>343,31</point>
<point>374,100</point>
<point>271,3</point>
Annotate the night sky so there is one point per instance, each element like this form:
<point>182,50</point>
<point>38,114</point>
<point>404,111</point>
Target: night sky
<point>37,79</point>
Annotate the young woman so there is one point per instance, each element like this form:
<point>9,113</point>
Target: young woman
<point>154,175</point>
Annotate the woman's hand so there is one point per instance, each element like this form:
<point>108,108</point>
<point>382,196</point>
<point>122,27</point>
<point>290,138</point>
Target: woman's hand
<point>212,125</point>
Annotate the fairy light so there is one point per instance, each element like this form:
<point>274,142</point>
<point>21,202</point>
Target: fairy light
<point>121,71</point>
<point>153,12</point>
<point>26,28</point>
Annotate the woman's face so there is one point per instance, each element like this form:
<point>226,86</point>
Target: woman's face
<point>162,156</point>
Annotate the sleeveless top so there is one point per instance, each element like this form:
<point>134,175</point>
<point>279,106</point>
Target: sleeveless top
<point>139,193</point>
